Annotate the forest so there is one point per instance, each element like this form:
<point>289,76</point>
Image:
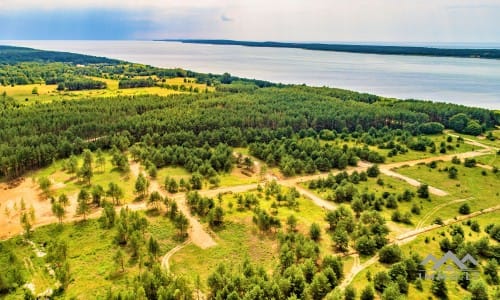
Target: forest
<point>33,136</point>
<point>373,49</point>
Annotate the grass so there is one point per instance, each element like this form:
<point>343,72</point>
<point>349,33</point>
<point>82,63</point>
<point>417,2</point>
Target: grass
<point>482,139</point>
<point>63,182</point>
<point>236,177</point>
<point>235,242</point>
<point>490,160</point>
<point>48,93</point>
<point>470,183</point>
<point>90,256</point>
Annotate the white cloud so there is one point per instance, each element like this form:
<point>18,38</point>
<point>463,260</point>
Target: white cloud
<point>300,20</point>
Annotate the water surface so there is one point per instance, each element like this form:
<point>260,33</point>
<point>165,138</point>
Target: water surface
<point>474,82</point>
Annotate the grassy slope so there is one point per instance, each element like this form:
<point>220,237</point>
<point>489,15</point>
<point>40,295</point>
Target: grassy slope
<point>483,190</point>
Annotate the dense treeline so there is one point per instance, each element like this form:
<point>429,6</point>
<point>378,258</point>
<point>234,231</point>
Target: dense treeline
<point>308,155</point>
<point>19,66</point>
<point>374,49</point>
<point>135,83</point>
<point>81,84</point>
<point>13,55</point>
<point>33,136</point>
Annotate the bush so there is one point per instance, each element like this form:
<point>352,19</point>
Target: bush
<point>464,209</point>
<point>423,191</point>
<point>373,171</point>
<point>390,254</point>
<point>470,162</point>
<point>315,232</point>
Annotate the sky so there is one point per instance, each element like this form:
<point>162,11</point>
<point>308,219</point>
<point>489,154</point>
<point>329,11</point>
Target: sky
<point>437,21</point>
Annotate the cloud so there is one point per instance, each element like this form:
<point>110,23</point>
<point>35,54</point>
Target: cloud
<point>287,20</point>
<point>225,18</point>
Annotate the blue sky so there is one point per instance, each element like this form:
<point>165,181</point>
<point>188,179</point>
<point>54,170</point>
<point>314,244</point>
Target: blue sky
<point>283,20</point>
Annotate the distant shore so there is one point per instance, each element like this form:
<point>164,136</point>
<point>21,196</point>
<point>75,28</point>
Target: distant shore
<point>353,48</point>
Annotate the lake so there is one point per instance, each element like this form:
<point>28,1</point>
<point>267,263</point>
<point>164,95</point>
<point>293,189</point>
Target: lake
<point>474,82</point>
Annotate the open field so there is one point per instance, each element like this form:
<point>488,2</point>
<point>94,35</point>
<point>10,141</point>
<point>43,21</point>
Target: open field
<point>471,183</point>
<point>47,93</point>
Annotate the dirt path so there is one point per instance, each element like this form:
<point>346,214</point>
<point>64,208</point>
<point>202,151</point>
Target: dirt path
<point>28,190</point>
<point>429,214</point>
<point>411,181</point>
<point>197,233</point>
<point>315,198</point>
<point>165,262</point>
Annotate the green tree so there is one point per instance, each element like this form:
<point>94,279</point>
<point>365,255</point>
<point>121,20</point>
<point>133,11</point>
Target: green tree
<point>26,223</point>
<point>464,209</point>
<point>119,259</point>
<point>291,223</point>
<point>458,122</point>
<point>473,128</point>
<point>181,223</point>
<point>373,171</point>
<point>86,171</point>
<point>315,232</point>
<point>63,199</point>
<point>58,211</point>
<point>381,280</point>
<point>367,293</point>
<point>196,181</point>
<point>45,185</point>
<point>72,164</point>
<point>438,287</point>
<point>423,191</point>
<point>97,193</point>
<point>100,159</point>
<point>319,286</point>
<point>153,247</point>
<point>155,199</point>
<point>390,254</point>
<point>349,293</point>
<point>83,207</point>
<point>141,185</point>
<point>341,239</point>
<point>115,192</point>
<point>478,290</point>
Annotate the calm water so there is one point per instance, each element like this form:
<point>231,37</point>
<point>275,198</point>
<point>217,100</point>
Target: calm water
<point>474,82</point>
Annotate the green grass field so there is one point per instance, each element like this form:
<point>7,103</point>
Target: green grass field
<point>90,256</point>
<point>48,93</point>
<point>470,183</point>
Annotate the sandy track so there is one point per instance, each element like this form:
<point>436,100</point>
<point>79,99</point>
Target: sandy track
<point>197,233</point>
<point>165,262</point>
